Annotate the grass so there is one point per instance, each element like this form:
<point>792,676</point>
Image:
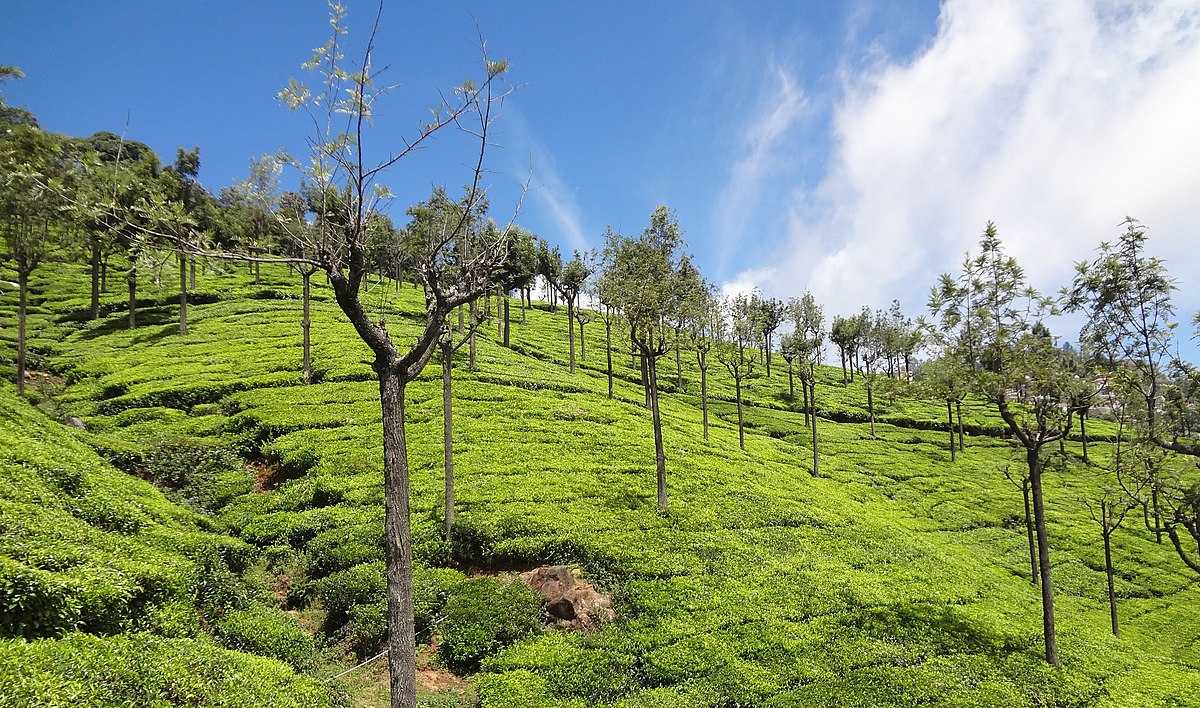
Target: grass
<point>896,578</point>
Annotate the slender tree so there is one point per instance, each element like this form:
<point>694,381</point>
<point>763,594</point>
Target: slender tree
<point>1019,370</point>
<point>808,318</point>
<point>705,327</point>
<point>644,272</point>
<point>35,172</point>
<point>570,284</point>
<point>732,353</point>
<point>341,105</point>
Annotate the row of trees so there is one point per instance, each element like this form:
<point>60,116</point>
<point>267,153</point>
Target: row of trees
<point>987,326</point>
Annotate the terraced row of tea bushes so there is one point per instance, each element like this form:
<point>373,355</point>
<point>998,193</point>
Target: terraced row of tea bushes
<point>894,579</point>
<point>97,566</point>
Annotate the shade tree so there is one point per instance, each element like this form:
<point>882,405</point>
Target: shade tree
<point>1018,369</point>
<point>743,331</point>
<point>643,273</point>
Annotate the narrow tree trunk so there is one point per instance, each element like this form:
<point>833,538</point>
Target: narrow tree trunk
<point>807,410</point>
<point>812,397</point>
<point>660,458</point>
<point>958,411</point>
<point>507,321</point>
<point>1108,572</point>
<point>398,543</point>
<point>1039,516</point>
<point>950,427</point>
<point>767,354</point>
<point>646,381</point>
<point>608,354</point>
<point>1157,513</point>
<point>871,405</point>
<point>582,347</point>
<point>22,313</point>
<point>183,293</point>
<point>737,383</point>
<point>571,332</point>
<point>1033,566</point>
<point>704,396</point>
<point>678,365</point>
<point>842,354</point>
<point>448,432</point>
<point>131,281</point>
<point>192,272</point>
<point>95,273</point>
<point>501,300</point>
<point>1083,435</point>
<point>306,326</point>
<point>471,336</point>
<point>791,385</point>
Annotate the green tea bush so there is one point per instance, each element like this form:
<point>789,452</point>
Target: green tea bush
<point>268,632</point>
<point>82,670</point>
<point>484,614</point>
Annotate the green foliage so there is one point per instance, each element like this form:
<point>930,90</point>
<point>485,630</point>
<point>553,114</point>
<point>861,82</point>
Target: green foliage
<point>268,632</point>
<point>484,614</point>
<point>143,670</point>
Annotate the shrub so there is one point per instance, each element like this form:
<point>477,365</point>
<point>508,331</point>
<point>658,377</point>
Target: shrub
<point>35,603</point>
<point>484,614</point>
<point>269,632</point>
<point>142,670</point>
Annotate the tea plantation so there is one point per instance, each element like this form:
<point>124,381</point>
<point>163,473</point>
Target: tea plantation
<point>214,536</point>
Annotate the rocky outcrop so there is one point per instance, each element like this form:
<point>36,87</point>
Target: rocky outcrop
<point>570,601</point>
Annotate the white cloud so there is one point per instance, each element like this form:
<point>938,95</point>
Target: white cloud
<point>1056,120</point>
<point>759,141</point>
<point>552,193</point>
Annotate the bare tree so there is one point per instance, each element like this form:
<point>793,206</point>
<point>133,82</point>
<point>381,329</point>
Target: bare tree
<point>705,325</point>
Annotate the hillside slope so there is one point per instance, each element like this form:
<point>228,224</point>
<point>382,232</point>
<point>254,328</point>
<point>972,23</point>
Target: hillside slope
<point>895,578</point>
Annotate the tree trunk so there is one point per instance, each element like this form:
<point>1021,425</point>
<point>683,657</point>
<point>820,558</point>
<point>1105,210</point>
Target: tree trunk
<point>571,331</point>
<point>131,280</point>
<point>842,354</point>
<point>22,312</point>
<point>767,353</point>
<point>950,426</point>
<point>306,326</point>
<point>582,347</point>
<point>448,432</point>
<point>95,273</point>
<point>1083,435</point>
<point>1108,572</point>
<point>958,410</point>
<point>678,365</point>
<point>507,321</point>
<point>183,293</point>
<point>471,336</point>
<point>807,412</point>
<point>1157,512</point>
<point>608,353</point>
<point>192,272</point>
<point>1033,566</point>
<point>398,541</point>
<point>646,380</point>
<point>737,382</point>
<point>660,459</point>
<point>871,405</point>
<point>1039,516</point>
<point>791,385</point>
<point>812,397</point>
<point>704,396</point>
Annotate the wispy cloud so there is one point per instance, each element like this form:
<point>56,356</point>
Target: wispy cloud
<point>547,188</point>
<point>1054,119</point>
<point>784,105</point>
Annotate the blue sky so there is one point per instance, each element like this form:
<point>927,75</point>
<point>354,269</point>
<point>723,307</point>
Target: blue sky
<point>855,149</point>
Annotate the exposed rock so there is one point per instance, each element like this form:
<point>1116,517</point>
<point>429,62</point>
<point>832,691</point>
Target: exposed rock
<point>75,423</point>
<point>572,602</point>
